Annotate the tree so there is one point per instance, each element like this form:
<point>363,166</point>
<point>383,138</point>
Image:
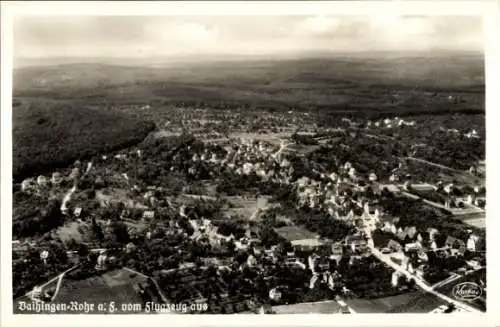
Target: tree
<point>450,308</point>
<point>97,229</point>
<point>83,250</point>
<point>121,233</point>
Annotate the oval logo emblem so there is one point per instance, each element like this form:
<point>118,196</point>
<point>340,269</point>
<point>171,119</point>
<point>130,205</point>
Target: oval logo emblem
<point>467,291</point>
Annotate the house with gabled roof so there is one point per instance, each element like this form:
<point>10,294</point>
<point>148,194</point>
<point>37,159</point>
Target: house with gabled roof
<point>455,243</point>
<point>149,214</point>
<point>356,242</point>
<point>77,212</point>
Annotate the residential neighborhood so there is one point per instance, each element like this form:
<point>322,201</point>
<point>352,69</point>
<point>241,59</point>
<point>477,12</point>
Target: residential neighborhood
<point>239,223</point>
<point>184,162</point>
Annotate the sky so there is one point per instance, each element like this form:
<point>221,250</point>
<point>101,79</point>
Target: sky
<point>167,36</point>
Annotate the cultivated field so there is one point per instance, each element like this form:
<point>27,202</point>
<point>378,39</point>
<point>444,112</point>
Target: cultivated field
<point>415,302</point>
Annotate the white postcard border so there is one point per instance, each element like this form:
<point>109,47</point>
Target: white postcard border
<point>488,9</point>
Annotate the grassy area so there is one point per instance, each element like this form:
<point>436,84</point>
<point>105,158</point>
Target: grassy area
<point>324,307</point>
<point>246,207</point>
<point>77,231</point>
<point>116,285</point>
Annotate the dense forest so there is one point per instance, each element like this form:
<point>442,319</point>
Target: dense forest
<point>48,135</point>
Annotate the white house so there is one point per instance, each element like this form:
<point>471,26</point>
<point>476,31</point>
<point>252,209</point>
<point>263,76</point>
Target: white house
<point>471,243</point>
<point>27,185</point>
<point>44,255</point>
<point>274,294</point>
<point>395,279</point>
<point>42,181</point>
<point>56,178</point>
<point>148,214</point>
<point>101,261</point>
<point>251,261</point>
<point>77,212</point>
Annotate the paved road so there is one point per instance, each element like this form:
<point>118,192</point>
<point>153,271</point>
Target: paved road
<point>58,278</point>
<point>58,286</point>
<point>343,304</point>
<point>446,281</point>
<point>283,147</point>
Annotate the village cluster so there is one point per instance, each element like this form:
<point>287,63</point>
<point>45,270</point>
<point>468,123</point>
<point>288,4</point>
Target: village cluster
<point>309,232</point>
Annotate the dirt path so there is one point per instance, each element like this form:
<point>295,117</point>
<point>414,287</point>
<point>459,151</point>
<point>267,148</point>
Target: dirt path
<point>431,163</point>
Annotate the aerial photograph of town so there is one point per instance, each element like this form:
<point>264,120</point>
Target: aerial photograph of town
<point>248,165</point>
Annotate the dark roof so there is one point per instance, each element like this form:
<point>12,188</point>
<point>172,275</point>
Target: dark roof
<point>381,238</point>
<point>452,241</point>
<point>358,211</point>
<point>308,307</point>
<point>355,239</point>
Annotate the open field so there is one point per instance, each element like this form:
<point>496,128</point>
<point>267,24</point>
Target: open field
<point>274,138</point>
<point>78,231</point>
<point>295,233</point>
<point>479,223</point>
<point>115,195</point>
<point>416,302</point>
<point>246,207</point>
<point>435,173</point>
<point>477,219</point>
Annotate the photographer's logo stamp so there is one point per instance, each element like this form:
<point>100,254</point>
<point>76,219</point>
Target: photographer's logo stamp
<point>467,291</point>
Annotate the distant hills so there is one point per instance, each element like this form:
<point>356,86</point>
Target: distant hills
<point>439,70</point>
